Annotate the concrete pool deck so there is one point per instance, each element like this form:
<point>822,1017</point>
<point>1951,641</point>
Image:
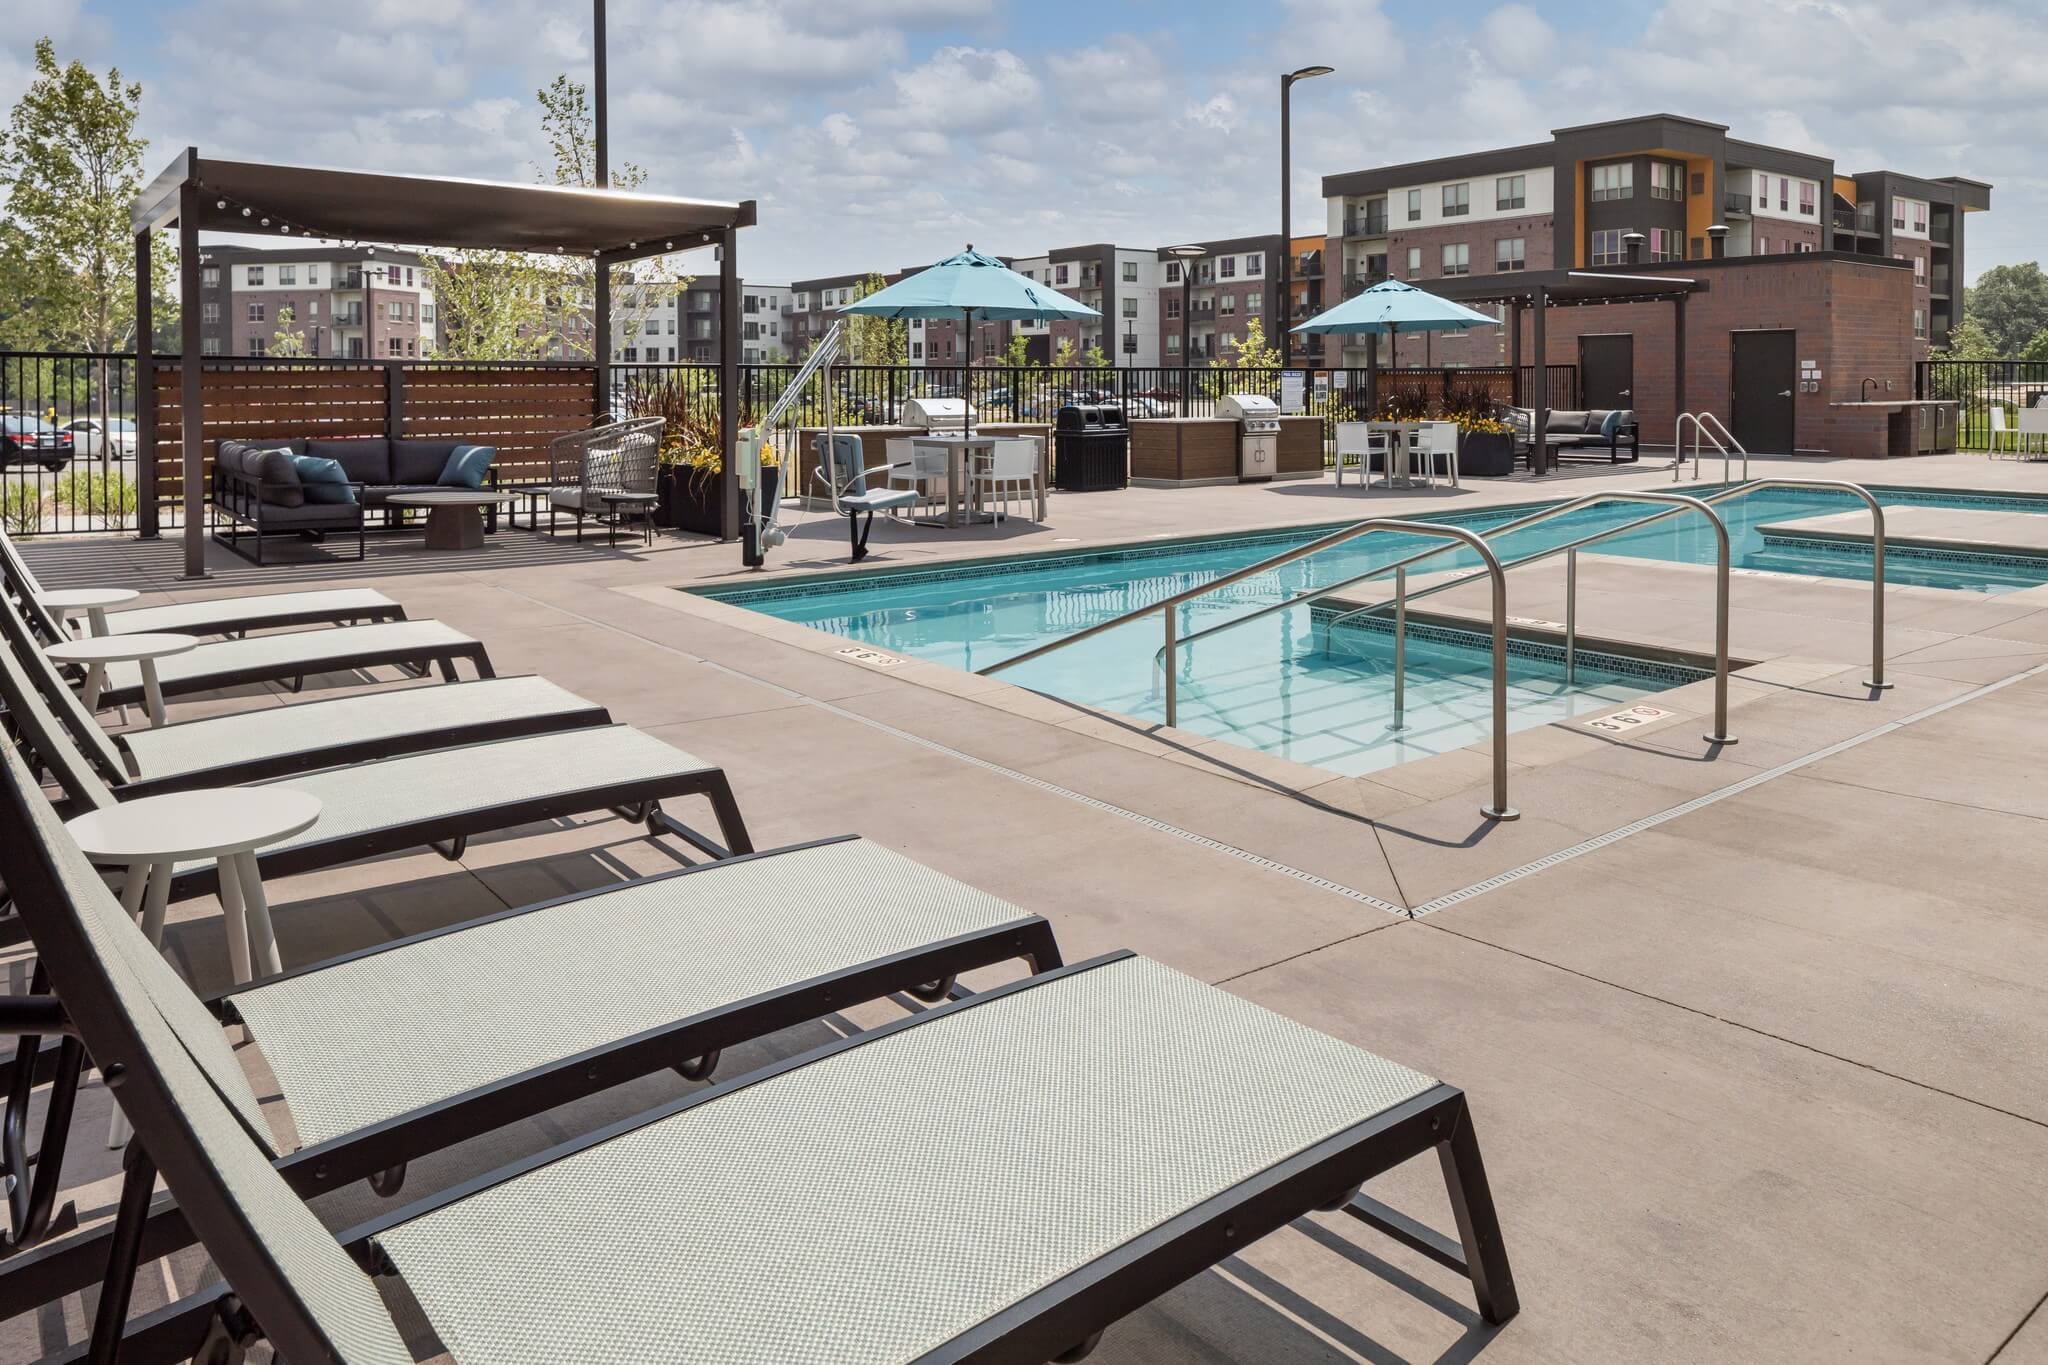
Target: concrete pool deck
<point>1764,1078</point>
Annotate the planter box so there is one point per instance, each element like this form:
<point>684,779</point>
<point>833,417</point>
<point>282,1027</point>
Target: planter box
<point>692,504</point>
<point>1486,455</point>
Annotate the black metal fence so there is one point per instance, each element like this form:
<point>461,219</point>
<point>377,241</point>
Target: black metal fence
<point>71,463</point>
<point>68,454</point>
<point>1989,395</point>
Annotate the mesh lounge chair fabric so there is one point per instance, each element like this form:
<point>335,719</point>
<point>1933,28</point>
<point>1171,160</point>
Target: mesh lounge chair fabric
<point>273,732</point>
<point>254,613</point>
<point>875,1204</point>
<point>283,656</point>
<point>366,1040</point>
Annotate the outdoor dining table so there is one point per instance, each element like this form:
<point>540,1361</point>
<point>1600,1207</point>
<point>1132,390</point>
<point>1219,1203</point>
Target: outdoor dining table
<point>959,477</point>
<point>1404,435</point>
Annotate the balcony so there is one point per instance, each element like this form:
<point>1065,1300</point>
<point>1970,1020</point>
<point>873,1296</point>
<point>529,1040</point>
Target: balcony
<point>1366,225</point>
<point>1938,280</point>
<point>1734,203</point>
<point>1308,265</point>
<point>1358,284</point>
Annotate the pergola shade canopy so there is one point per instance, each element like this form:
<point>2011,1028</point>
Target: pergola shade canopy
<point>432,211</point>
<point>1564,288</point>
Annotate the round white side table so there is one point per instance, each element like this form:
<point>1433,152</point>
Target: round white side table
<point>151,836</point>
<point>97,651</point>
<point>68,602</point>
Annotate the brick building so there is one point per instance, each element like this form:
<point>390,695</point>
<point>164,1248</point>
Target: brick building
<point>1646,190</point>
<point>1233,281</point>
<point>346,302</point>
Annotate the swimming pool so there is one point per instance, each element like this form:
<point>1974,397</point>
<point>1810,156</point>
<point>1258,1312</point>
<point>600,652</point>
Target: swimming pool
<point>1288,685</point>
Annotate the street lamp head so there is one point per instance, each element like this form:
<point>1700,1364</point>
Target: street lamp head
<point>1187,252</point>
<point>1308,71</point>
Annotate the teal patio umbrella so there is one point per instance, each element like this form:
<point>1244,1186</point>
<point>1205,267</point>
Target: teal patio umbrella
<point>968,286</point>
<point>1391,307</point>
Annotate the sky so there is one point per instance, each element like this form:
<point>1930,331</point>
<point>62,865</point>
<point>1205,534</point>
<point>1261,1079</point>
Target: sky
<point>887,133</point>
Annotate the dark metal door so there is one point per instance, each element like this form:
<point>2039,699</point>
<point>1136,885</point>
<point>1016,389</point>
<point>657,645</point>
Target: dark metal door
<point>1607,370</point>
<point>1766,373</point>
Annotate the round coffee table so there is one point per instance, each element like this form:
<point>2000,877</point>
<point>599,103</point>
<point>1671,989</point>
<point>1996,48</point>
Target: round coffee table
<point>97,651</point>
<point>68,602</point>
<point>455,516</point>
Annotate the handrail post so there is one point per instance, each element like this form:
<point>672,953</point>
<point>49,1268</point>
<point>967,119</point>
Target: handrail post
<point>1172,662</point>
<point>1400,650</point>
<point>1719,734</point>
<point>1571,615</point>
<point>1876,681</point>
<point>1500,809</point>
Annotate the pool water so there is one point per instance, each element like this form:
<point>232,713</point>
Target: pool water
<point>1287,684</point>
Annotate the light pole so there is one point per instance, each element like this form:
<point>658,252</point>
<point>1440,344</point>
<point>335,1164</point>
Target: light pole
<point>1287,210</point>
<point>1186,256</point>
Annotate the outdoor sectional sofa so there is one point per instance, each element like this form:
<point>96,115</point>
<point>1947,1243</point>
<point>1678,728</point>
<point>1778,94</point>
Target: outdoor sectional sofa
<point>1575,431</point>
<point>257,485</point>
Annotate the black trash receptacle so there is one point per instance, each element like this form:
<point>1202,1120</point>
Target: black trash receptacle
<point>1091,448</point>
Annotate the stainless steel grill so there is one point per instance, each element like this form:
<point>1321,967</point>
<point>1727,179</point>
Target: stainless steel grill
<point>936,414</point>
<point>1258,433</point>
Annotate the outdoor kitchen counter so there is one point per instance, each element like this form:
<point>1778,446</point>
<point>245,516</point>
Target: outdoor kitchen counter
<point>1186,452</point>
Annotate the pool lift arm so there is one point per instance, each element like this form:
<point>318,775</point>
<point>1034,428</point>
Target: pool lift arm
<point>762,530</point>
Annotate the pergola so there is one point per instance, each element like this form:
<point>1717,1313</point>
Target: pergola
<point>1541,290</point>
<point>612,227</point>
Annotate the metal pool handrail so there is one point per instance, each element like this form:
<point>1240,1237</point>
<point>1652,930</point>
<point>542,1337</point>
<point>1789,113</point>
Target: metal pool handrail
<point>1699,422</point>
<point>1676,502</point>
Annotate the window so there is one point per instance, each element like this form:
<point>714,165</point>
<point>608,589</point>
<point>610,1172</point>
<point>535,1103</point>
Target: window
<point>671,325</point>
<point>1457,258</point>
<point>1173,343</point>
<point>1616,180</point>
<point>1898,213</point>
<point>255,312</point>
<point>1227,267</point>
<point>209,346</point>
<point>427,315</point>
<point>917,350</point>
<point>393,311</point>
<point>1227,305</point>
<point>257,345</point>
<point>287,274</point>
<point>1920,270</point>
<point>1172,309</point>
<point>1173,272</point>
<point>408,277</point>
<point>1763,246</point>
<point>395,347</point>
<point>1255,263</point>
<point>1784,195</point>
<point>1667,180</point>
<point>1062,274</point>
<point>210,277</point>
<point>1511,192</point>
<point>671,353</point>
<point>209,312</point>
<point>408,312</point>
<point>1919,217</point>
<point>1129,306</point>
<point>1457,200</point>
<point>1607,248</point>
<point>1414,262</point>
<point>1510,253</point>
<point>1807,191</point>
<point>312,309</point>
<point>632,353</point>
<point>1254,302</point>
<point>1919,322</point>
<point>1130,272</point>
<point>1414,205</point>
<point>256,271</point>
<point>1667,244</point>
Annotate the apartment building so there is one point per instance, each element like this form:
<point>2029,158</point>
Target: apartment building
<point>1233,281</point>
<point>1649,190</point>
<point>352,303</point>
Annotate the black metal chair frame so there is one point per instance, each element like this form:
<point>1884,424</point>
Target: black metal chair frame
<point>239,499</point>
<point>56,1268</point>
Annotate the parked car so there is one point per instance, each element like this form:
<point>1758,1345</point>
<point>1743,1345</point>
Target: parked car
<point>1140,406</point>
<point>31,440</point>
<point>87,440</point>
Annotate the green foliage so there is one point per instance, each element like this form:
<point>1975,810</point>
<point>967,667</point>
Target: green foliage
<point>1094,359</point>
<point>2010,302</point>
<point>71,164</point>
<point>1017,355</point>
<point>105,495</point>
<point>288,341</point>
<point>871,340</point>
<point>2037,349</point>
<point>1250,352</point>
<point>1063,355</point>
<point>1969,341</point>
<point>21,508</point>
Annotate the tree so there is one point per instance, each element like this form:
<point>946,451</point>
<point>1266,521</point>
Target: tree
<point>2037,349</point>
<point>1250,352</point>
<point>289,341</point>
<point>1094,358</point>
<point>1968,340</point>
<point>2011,304</point>
<point>1017,355</point>
<point>874,340</point>
<point>1063,355</point>
<point>505,305</point>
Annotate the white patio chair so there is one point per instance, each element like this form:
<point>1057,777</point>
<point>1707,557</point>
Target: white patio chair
<point>1438,441</point>
<point>1010,471</point>
<point>1358,440</point>
<point>922,466</point>
<point>2033,432</point>
<point>2002,434</point>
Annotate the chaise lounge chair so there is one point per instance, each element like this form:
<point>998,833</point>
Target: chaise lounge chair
<point>273,741</point>
<point>438,798</point>
<point>996,1179</point>
<point>224,616</point>
<point>466,1036</point>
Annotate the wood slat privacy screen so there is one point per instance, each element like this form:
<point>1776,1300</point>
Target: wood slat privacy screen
<point>516,408</point>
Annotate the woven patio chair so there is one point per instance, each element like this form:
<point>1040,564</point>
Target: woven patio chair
<point>586,466</point>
